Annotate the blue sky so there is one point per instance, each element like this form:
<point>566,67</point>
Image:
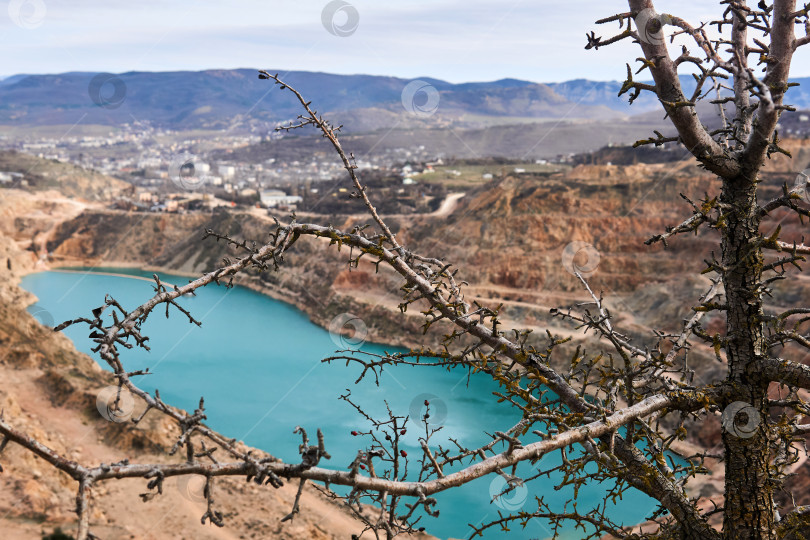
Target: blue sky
<point>455,40</point>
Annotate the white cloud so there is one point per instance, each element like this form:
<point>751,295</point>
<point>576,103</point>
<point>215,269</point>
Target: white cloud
<point>447,39</point>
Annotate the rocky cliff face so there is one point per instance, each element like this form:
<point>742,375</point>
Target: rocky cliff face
<point>514,240</point>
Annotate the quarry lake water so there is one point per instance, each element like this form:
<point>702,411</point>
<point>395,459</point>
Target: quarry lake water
<point>258,363</point>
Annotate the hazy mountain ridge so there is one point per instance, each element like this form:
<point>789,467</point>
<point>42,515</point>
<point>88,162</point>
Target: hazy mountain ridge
<point>179,100</point>
<point>215,98</point>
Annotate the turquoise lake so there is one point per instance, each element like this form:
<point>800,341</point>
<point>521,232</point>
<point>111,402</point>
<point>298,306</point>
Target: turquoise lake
<point>257,362</point>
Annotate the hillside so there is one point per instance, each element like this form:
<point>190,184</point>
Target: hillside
<point>37,175</point>
<point>537,140</point>
<point>237,100</point>
<point>215,99</point>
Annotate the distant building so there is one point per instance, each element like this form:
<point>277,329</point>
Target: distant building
<point>408,181</point>
<point>275,197</point>
<point>6,177</point>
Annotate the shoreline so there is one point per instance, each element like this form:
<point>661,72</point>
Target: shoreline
<point>269,292</point>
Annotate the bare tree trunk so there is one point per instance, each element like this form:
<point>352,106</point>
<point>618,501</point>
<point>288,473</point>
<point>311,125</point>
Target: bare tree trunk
<point>83,510</point>
<point>749,512</point>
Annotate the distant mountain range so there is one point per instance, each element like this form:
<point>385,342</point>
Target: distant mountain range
<point>219,99</point>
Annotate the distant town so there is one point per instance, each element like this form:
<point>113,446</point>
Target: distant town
<point>173,172</point>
